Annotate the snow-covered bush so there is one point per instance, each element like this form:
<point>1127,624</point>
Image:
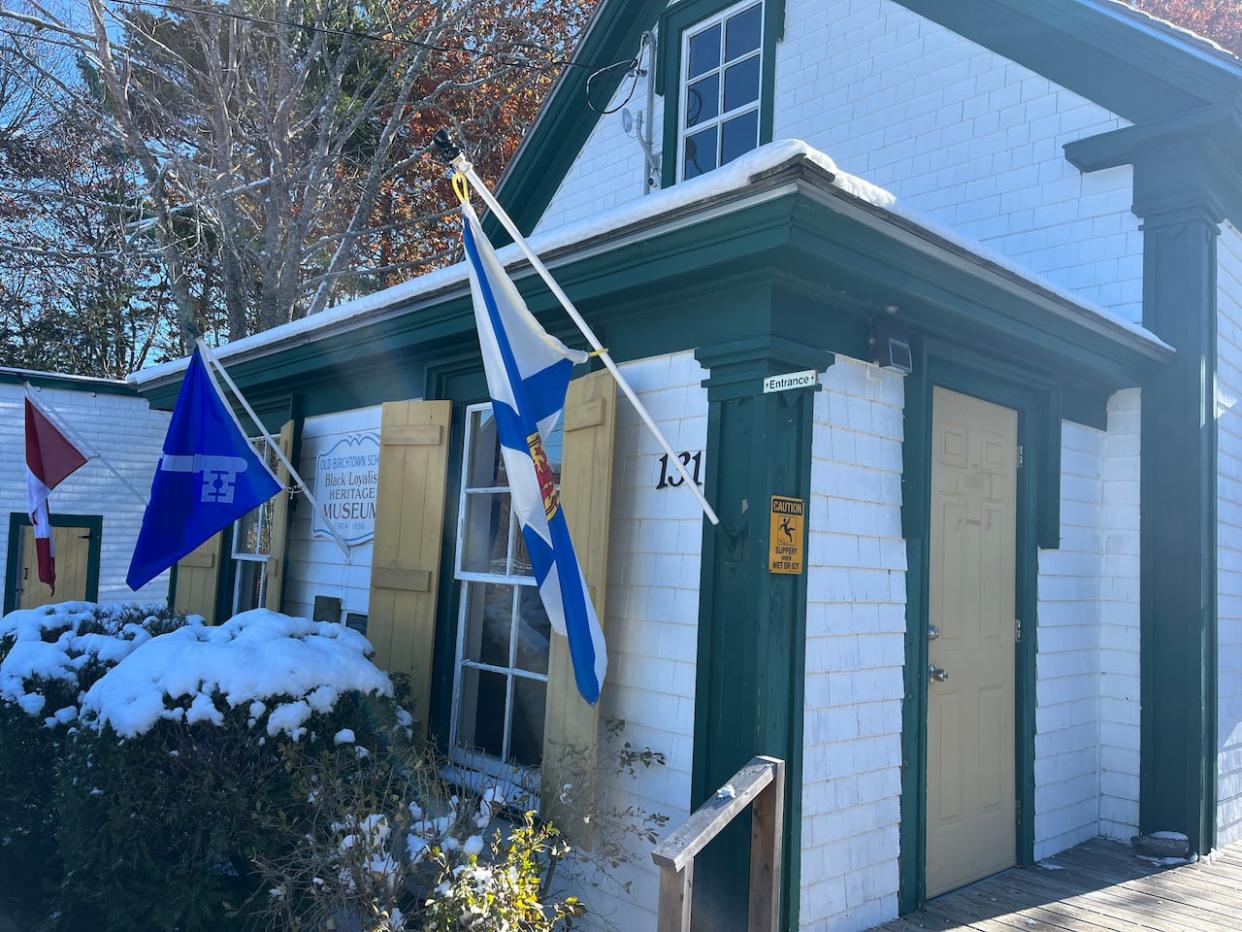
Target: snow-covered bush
<point>168,750</point>
<point>397,848</point>
<point>49,657</point>
<point>183,769</point>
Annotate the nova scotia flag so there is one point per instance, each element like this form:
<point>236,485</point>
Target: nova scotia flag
<point>208,477</point>
<point>527,376</point>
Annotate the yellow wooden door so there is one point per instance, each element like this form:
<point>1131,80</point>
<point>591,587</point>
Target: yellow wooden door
<point>971,807</point>
<point>72,546</point>
<point>197,573</point>
<point>409,535</point>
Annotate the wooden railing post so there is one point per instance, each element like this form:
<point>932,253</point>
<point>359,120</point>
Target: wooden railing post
<point>767,831</point>
<point>760,784</point>
<point>676,889</point>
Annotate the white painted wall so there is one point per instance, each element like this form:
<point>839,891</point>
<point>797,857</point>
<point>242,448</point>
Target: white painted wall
<point>315,564</point>
<point>1229,537</point>
<point>1119,617</point>
<point>651,625</point>
<point>126,432</point>
<point>957,132</point>
<point>856,563</point>
<point>1087,699</point>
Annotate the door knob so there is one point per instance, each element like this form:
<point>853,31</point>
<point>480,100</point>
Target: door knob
<point>932,632</point>
<point>939,674</point>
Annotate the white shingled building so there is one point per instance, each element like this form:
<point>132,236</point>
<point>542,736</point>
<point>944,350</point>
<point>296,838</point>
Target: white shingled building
<point>1005,614</point>
<point>95,513</point>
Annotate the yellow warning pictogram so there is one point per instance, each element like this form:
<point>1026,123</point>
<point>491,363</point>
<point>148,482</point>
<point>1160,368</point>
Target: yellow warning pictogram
<point>787,535</point>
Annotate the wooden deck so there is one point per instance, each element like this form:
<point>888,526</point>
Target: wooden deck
<point>1101,888</point>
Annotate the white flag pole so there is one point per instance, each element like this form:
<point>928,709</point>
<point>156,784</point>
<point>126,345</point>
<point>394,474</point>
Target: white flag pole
<point>463,166</point>
<point>210,357</point>
<point>77,441</point>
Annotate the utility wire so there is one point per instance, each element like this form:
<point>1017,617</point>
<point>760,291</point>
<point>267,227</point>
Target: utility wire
<point>375,37</point>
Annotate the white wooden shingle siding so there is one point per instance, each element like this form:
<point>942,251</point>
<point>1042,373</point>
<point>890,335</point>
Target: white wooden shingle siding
<point>958,132</point>
<point>1086,718</point>
<point>1229,536</point>
<point>651,624</point>
<point>129,435</point>
<point>856,595</point>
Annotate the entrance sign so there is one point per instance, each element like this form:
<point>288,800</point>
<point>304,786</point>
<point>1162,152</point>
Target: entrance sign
<point>347,480</point>
<point>786,536</point>
<point>783,383</point>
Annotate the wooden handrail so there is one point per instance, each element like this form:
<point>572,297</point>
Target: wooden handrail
<point>762,782</point>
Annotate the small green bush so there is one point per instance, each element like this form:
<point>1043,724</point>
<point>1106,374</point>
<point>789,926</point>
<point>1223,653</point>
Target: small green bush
<point>74,644</point>
<point>161,831</point>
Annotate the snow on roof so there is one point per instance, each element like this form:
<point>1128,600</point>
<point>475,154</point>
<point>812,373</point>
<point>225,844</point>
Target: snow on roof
<point>25,374</point>
<point>730,178</point>
<point>1172,30</point>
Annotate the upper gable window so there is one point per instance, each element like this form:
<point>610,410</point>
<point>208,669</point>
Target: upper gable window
<point>720,83</point>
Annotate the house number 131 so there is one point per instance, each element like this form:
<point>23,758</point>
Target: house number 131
<point>672,478</point>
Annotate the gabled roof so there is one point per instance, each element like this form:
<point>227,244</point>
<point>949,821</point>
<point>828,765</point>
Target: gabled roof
<point>10,375</point>
<point>1135,65</point>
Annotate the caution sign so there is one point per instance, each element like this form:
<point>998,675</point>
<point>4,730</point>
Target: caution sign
<point>787,535</point>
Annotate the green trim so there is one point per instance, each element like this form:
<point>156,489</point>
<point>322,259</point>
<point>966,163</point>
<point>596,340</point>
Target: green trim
<point>460,381</point>
<point>1178,546</point>
<point>750,675</point>
<point>688,287</point>
<point>172,585</point>
<point>939,364</point>
<point>566,120</point>
<point>1105,56</point>
<point>226,574</point>
<point>19,520</point>
<point>673,23</point>
<point>1215,132</point>
<point>68,383</point>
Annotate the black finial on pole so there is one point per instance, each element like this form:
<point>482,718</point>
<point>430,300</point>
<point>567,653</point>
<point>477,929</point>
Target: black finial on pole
<point>446,148</point>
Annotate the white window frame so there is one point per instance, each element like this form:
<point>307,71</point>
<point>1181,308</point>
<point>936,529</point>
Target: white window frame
<point>683,82</point>
<point>244,556</point>
<point>514,777</point>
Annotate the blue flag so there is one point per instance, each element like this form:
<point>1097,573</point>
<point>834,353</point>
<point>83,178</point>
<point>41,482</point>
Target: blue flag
<point>208,477</point>
<point>527,376</point>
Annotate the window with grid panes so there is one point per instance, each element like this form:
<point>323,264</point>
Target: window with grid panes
<point>252,543</point>
<point>501,675</point>
<point>722,64</point>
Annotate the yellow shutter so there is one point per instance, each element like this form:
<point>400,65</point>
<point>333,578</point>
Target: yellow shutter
<point>409,526</point>
<point>197,572</point>
<point>570,730</point>
<point>278,534</point>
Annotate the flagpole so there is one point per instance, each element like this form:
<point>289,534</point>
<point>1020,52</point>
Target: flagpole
<point>91,452</point>
<point>463,167</point>
<point>210,356</point>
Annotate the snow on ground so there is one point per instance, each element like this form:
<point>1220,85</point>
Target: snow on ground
<point>259,655</point>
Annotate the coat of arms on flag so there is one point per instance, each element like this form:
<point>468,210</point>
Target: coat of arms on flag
<point>527,376</point>
<point>50,458</point>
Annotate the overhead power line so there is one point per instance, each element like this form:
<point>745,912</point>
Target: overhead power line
<point>502,57</point>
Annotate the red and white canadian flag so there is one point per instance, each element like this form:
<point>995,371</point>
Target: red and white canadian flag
<point>50,457</point>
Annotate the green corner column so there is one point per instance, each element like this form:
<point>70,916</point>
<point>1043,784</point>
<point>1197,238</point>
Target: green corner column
<point>752,624</point>
<point>1177,770</point>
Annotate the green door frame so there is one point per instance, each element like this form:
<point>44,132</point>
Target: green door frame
<point>1039,419</point>
<point>19,520</point>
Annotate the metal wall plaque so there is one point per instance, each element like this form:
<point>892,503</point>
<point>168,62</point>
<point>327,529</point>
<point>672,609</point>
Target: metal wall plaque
<point>787,535</point>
